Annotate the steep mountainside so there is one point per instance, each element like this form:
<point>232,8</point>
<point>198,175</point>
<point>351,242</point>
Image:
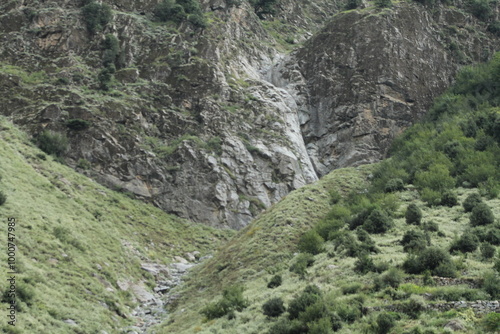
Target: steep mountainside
<point>82,249</point>
<point>216,120</point>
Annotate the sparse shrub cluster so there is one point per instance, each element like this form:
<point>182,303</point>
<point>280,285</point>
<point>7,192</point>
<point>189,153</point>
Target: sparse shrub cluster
<point>302,262</point>
<point>232,300</point>
<point>264,7</point>
<point>415,241</point>
<point>180,10</point>
<point>111,47</point>
<point>274,307</point>
<point>434,259</point>
<point>311,242</point>
<point>52,143</point>
<point>413,214</point>
<point>78,124</point>
<point>96,16</point>
<point>467,243</point>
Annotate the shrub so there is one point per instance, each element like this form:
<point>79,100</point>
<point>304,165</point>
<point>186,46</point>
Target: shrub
<point>467,243</point>
<point>431,197</point>
<point>309,296</point>
<point>96,16</point>
<point>52,143</point>
<point>274,282</point>
<point>496,265</point>
<point>349,310</point>
<point>351,289</point>
<point>327,226</point>
<point>414,306</point>
<point>364,264</point>
<point>314,312</point>
<point>263,7</point>
<point>303,261</point>
<point>232,300</point>
<point>197,20</point>
<point>384,323</point>
<point>413,214</point>
<point>78,124</point>
<point>491,322</point>
<point>432,258</point>
<point>273,307</point>
<point>437,178</point>
<point>367,243</point>
<point>491,284</point>
<point>471,201</point>
<point>394,185</point>
<point>481,9</point>
<point>430,226</point>
<point>481,215</point>
<point>487,250</point>
<point>287,326</point>
<point>391,278</point>
<point>311,242</point>
<point>3,198</point>
<point>322,326</point>
<point>415,241</point>
<point>378,222</point>
<point>383,3</point>
<point>449,199</point>
<point>345,241</point>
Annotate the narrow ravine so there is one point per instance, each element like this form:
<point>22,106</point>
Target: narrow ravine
<point>152,308</point>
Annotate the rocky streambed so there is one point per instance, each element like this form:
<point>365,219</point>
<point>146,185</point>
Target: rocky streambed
<point>152,308</point>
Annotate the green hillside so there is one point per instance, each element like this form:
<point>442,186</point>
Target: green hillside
<point>75,239</point>
<point>367,250</point>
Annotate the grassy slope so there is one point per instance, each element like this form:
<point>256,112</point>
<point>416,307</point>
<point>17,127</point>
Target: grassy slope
<point>263,247</point>
<point>103,236</point>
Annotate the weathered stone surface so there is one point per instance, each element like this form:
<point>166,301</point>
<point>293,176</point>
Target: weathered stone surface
<point>217,124</point>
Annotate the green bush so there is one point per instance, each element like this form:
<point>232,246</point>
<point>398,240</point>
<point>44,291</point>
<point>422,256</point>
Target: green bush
<point>327,226</point>
<point>394,185</point>
<point>309,296</point>
<point>367,243</point>
<point>311,242</point>
<point>496,265</point>
<point>481,9</point>
<point>491,284</point>
<point>275,281</point>
<point>78,124</point>
<point>432,258</point>
<point>487,250</point>
<point>3,198</point>
<point>52,143</point>
<point>437,178</point>
<point>302,262</point>
<point>273,307</point>
<point>481,215</point>
<point>471,201</point>
<point>413,214</point>
<point>264,7</point>
<point>449,199</point>
<point>232,300</point>
<point>414,306</point>
<point>467,243</point>
<point>351,289</point>
<point>383,3</point>
<point>287,326</point>
<point>322,326</point>
<point>377,222</point>
<point>415,241</point>
<point>364,264</point>
<point>391,278</point>
<point>352,4</point>
<point>96,16</point>
<point>384,323</point>
<point>491,322</point>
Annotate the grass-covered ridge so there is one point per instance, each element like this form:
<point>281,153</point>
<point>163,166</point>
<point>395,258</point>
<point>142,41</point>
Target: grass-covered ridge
<point>76,239</point>
<point>365,253</point>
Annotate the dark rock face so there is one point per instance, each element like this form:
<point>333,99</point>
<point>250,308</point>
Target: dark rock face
<point>217,124</point>
<point>367,76</point>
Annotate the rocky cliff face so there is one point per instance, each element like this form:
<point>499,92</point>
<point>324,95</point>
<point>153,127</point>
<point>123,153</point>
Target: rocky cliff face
<point>216,124</point>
